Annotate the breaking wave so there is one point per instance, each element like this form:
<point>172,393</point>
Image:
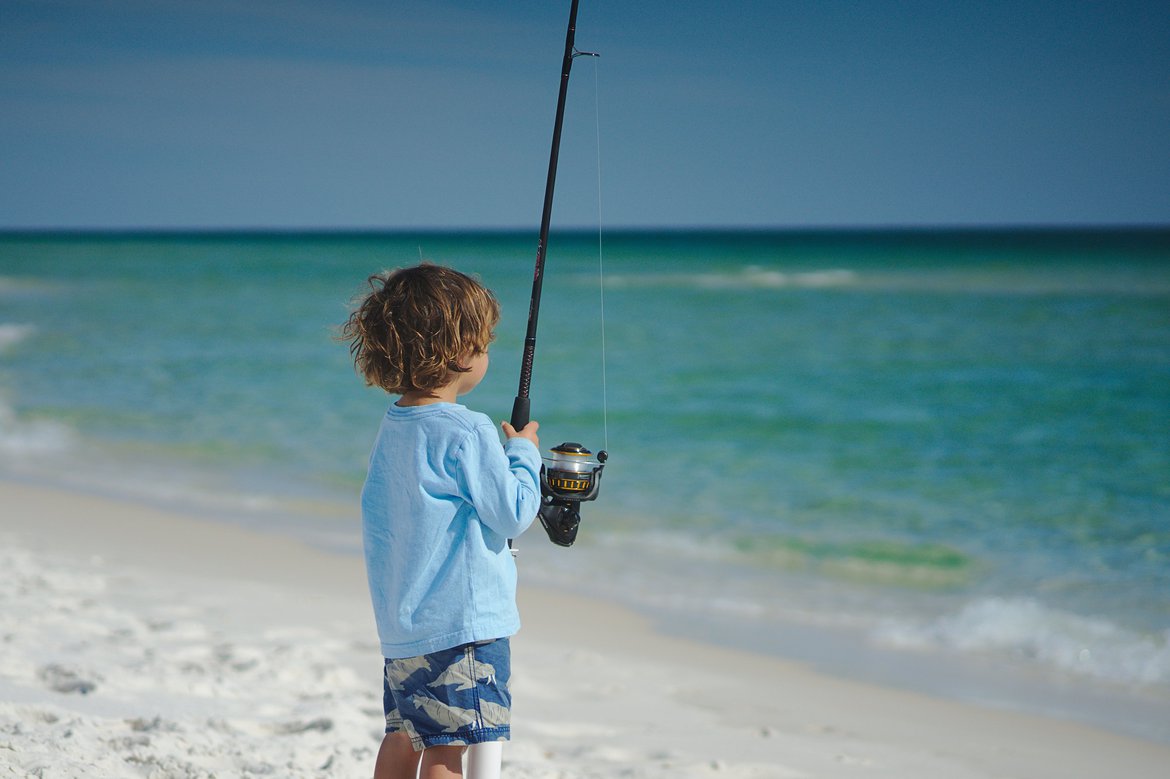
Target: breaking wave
<point>1024,628</point>
<point>749,277</point>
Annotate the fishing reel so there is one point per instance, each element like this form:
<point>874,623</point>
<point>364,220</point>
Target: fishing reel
<point>569,477</point>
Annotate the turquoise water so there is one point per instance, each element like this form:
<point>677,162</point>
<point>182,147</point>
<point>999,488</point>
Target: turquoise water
<point>955,444</point>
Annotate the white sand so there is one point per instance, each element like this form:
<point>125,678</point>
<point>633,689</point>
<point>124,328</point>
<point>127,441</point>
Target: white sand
<point>138,643</point>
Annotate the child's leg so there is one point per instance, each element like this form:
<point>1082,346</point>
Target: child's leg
<point>396,758</point>
<point>442,762</point>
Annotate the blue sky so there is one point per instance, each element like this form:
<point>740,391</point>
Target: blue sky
<point>436,113</point>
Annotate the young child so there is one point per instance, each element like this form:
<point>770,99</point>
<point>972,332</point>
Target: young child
<point>440,501</point>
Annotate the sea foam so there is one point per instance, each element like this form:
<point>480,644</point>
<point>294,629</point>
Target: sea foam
<point>12,334</point>
<point>21,438</point>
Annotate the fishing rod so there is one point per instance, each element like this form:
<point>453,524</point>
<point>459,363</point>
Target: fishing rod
<point>571,475</point>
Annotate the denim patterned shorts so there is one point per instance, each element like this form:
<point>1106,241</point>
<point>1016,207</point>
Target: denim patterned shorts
<point>454,696</point>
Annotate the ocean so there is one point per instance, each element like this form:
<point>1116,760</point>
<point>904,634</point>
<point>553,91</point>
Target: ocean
<point>935,459</point>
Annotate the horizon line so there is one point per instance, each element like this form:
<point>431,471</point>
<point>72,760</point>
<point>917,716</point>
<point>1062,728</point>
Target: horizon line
<point>354,230</point>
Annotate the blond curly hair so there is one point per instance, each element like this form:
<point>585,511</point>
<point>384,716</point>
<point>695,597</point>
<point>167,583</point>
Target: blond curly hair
<point>414,326</point>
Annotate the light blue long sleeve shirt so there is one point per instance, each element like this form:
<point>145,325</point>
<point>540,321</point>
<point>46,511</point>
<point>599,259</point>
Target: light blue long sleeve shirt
<point>440,502</point>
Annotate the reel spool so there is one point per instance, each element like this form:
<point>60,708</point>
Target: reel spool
<point>568,478</point>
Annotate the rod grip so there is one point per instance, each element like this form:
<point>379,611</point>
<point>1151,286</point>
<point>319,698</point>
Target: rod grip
<point>520,410</point>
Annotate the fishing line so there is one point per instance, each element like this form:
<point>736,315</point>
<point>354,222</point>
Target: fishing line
<point>600,252</point>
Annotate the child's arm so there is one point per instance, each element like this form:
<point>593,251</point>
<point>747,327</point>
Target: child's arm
<point>503,484</point>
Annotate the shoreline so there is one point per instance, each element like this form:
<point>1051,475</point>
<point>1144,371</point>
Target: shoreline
<point>212,647</point>
<point>602,568</point>
<point>834,647</point>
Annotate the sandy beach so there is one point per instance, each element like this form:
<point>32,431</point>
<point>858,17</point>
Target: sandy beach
<point>138,642</point>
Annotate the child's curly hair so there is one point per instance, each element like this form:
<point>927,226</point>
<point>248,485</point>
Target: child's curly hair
<point>410,331</point>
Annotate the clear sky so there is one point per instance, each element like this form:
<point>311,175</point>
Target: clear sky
<point>438,113</point>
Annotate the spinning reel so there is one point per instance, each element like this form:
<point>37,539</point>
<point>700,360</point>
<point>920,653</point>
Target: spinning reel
<point>567,479</point>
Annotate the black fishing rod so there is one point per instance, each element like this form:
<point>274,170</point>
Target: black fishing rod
<point>570,476</point>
